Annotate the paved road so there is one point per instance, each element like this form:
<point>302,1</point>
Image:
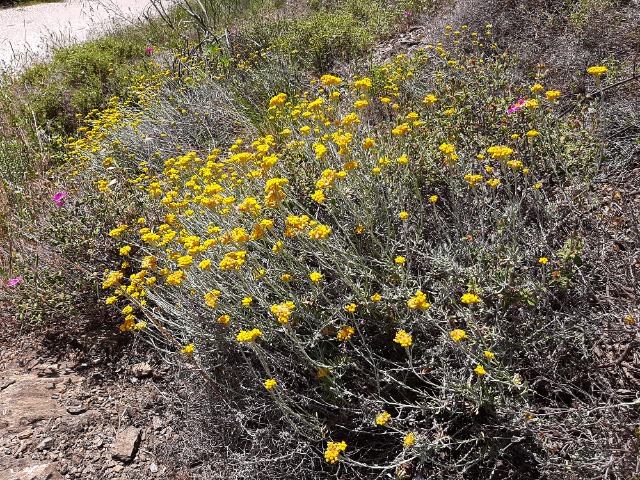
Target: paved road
<point>29,30</point>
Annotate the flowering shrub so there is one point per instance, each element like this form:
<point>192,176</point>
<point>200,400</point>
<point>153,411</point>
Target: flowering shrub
<point>369,263</point>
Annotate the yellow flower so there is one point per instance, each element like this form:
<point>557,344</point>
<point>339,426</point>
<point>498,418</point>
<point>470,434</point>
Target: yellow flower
<point>330,80</point>
<point>499,151</point>
<point>277,246</point>
<point>345,333</point>
<point>320,150</point>
<point>429,99</point>
<point>553,95</point>
<point>359,228</point>
<point>286,277</point>
<point>248,336</point>
<point>368,143</point>
<point>543,260</point>
<point>176,277</point>
<point>270,383</point>
<point>320,232</point>
<point>409,440</point>
<point>419,301</point>
<point>532,133</point>
<point>315,277</point>
<point>403,215</point>
<point>111,300</point>
<point>537,88</point>
<point>493,183</point>
<point>449,112</point>
<point>278,100</point>
<point>383,418</point>
<point>360,104</point>
<point>363,83</point>
<point>469,299</point>
<point>489,354</point>
<point>385,99</point>
<point>480,371</point>
<point>124,251</point>
<point>205,264</point>
<point>246,301</point>
<point>376,170</point>
<point>597,70</point>
<point>399,260</point>
<point>447,148</point>
<point>403,338</point>
<point>211,298</point>
<point>322,372</point>
<point>283,311</point>
<point>473,179</point>
<point>188,349</point>
<point>233,260</point>
<point>458,334</point>
<point>537,186</point>
<point>433,198</point>
<point>333,450</point>
<point>318,196</point>
<point>224,319</point>
<point>376,297</point>
<point>351,307</point>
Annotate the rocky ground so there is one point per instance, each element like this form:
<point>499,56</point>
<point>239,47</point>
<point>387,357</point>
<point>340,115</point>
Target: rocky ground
<point>78,406</point>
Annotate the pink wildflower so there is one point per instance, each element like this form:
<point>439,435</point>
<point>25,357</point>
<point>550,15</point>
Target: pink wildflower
<point>59,197</point>
<point>14,281</point>
<point>516,106</point>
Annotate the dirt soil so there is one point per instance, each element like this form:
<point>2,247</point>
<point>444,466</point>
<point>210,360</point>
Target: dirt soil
<point>85,404</point>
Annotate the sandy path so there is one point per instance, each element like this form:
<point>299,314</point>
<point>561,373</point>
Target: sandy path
<point>28,30</point>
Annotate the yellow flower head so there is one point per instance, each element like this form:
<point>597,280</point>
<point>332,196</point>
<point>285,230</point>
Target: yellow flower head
<point>419,301</point>
<point>283,311</point>
<point>248,336</point>
<point>458,334</point>
<point>489,354</point>
<point>400,260</point>
<point>246,301</point>
<point>597,70</point>
<point>124,251</point>
<point>270,383</point>
<point>553,95</point>
<point>188,349</point>
<point>480,371</point>
<point>345,333</point>
<point>433,198</point>
<point>409,440</point>
<point>363,83</point>
<point>537,88</point>
<point>543,260</point>
<point>315,277</point>
<point>224,319</point>
<point>403,338</point>
<point>351,307</point>
<point>382,418</point>
<point>532,133</point>
<point>403,215</point>
<point>330,80</point>
<point>470,298</point>
<point>376,297</point>
<point>333,451</point>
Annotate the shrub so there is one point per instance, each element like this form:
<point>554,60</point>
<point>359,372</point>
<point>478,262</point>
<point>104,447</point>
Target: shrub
<point>387,263</point>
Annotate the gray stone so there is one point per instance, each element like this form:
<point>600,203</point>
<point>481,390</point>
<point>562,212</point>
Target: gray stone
<point>126,445</point>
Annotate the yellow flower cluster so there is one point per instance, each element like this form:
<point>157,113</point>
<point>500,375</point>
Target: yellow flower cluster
<point>248,336</point>
<point>333,451</point>
<point>418,302</point>
<point>283,311</point>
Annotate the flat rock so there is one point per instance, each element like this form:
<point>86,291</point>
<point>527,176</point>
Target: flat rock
<point>141,370</point>
<point>76,409</point>
<point>126,445</point>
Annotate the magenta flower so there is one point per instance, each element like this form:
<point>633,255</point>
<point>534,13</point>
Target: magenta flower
<point>516,106</point>
<point>59,197</point>
<point>14,281</point>
<point>148,50</point>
